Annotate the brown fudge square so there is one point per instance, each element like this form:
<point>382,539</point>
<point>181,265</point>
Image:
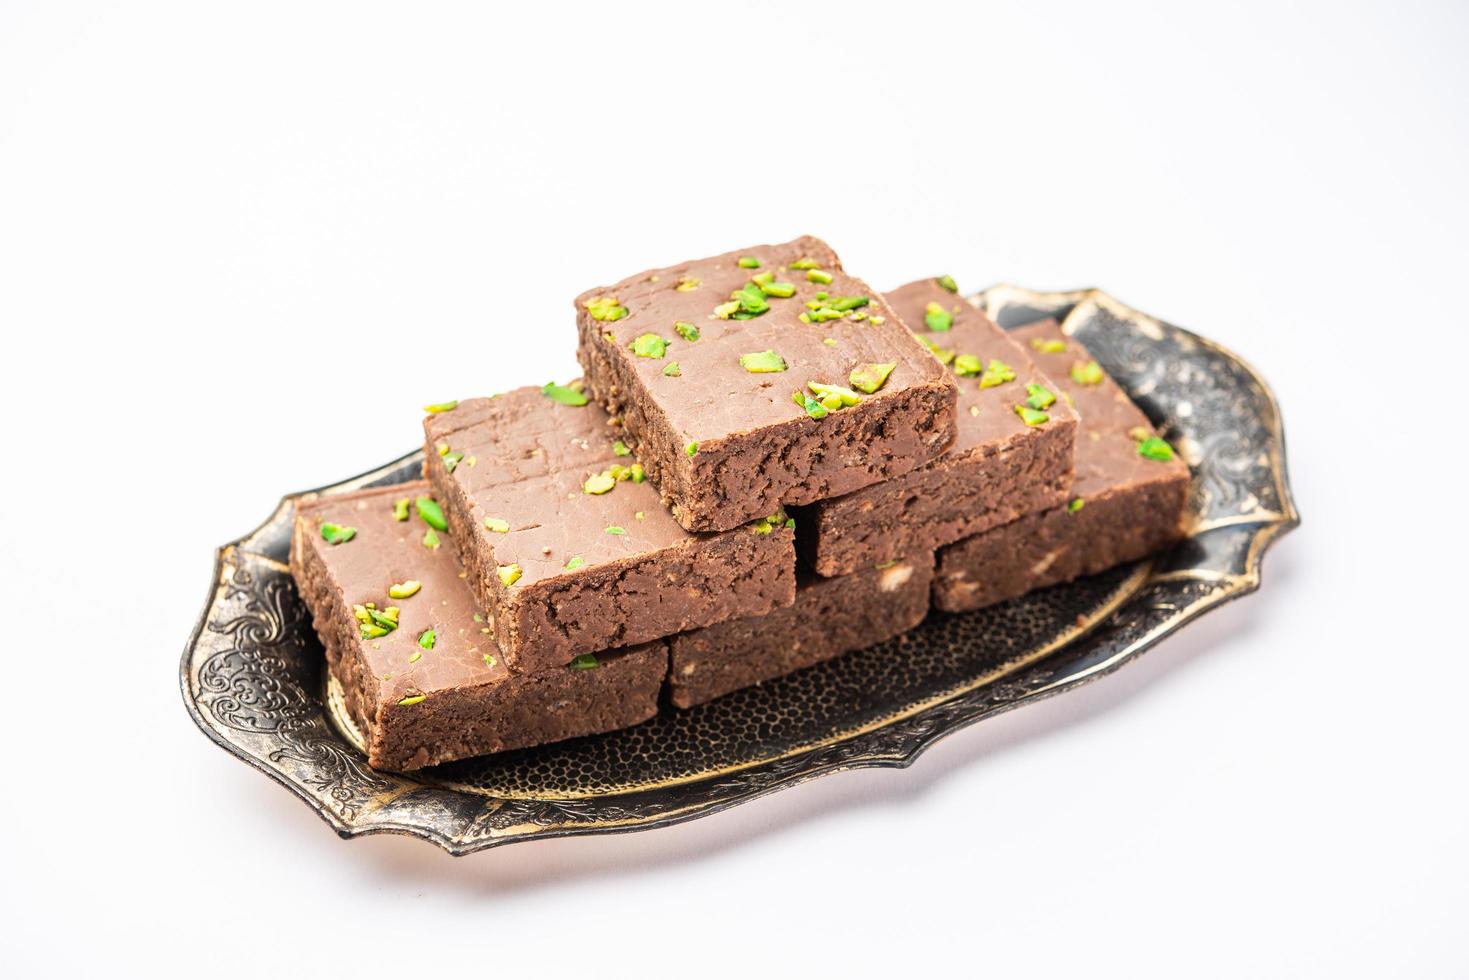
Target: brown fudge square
<point>831,616</point>
<point>567,557</point>
<point>999,468</point>
<point>704,383</point>
<point>1125,506</point>
<point>418,700</point>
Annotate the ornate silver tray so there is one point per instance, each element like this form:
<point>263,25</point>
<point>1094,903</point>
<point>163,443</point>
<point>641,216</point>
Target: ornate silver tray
<point>252,676</point>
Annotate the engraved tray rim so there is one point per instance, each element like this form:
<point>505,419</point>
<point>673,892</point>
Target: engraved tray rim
<point>319,766</point>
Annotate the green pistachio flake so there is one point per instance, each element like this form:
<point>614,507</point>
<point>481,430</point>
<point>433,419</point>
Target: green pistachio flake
<point>414,656</point>
<point>1089,373</point>
<point>606,308</point>
<point>947,282</point>
<point>599,483</point>
<point>427,639</point>
<point>620,448</point>
<point>564,395</point>
<point>648,345</point>
<point>780,290</point>
<point>686,284</point>
<point>635,473</point>
<point>451,460</point>
<point>1031,416</point>
<point>997,373</point>
<point>337,534</point>
<point>498,525</point>
<point>944,355</point>
<point>763,279</point>
<point>400,509</point>
<point>489,660</point>
<point>967,365</point>
<point>1039,396</point>
<point>404,590</point>
<point>812,407</point>
<point>868,378</point>
<point>749,262</point>
<point>431,538</point>
<point>805,263</point>
<point>429,510</point>
<point>751,299</point>
<point>834,396</point>
<point>1076,505</point>
<point>938,319</point>
<point>1154,448</point>
<point>509,574</point>
<point>1048,346</point>
<point>846,304</point>
<point>614,529</point>
<point>413,699</point>
<point>692,449</point>
<point>477,618</point>
<point>726,310</point>
<point>584,661</point>
<point>816,275</point>
<point>672,370</point>
<point>762,362</point>
<point>438,407</point>
<point>574,562</point>
<point>686,330</point>
<point>443,448</point>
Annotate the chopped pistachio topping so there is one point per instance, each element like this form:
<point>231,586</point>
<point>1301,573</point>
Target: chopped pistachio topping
<point>868,378</point>
<point>574,562</point>
<point>967,365</point>
<point>337,534</point>
<point>749,262</point>
<point>599,483</point>
<point>620,448</point>
<point>1076,505</point>
<point>997,373</point>
<point>834,397</point>
<point>805,263</point>
<point>829,341</point>
<point>497,524</point>
<point>509,574</point>
<point>404,590</point>
<point>438,407</point>
<point>489,660</point>
<point>686,284</point>
<point>846,304</point>
<point>1031,416</point>
<point>812,407</point>
<point>477,618</point>
<point>606,308</point>
<point>1048,346</point>
<point>648,345</point>
<point>614,529</point>
<point>563,394</point>
<point>944,355</point>
<point>451,460</point>
<point>1089,373</point>
<point>640,515</point>
<point>1039,396</point>
<point>400,509</point>
<point>431,538</point>
<point>427,639</point>
<point>726,310</point>
<point>751,299</point>
<point>1154,448</point>
<point>617,471</point>
<point>672,370</point>
<point>816,275</point>
<point>429,510</point>
<point>686,330</point>
<point>414,656</point>
<point>413,699</point>
<point>635,473</point>
<point>692,449</point>
<point>762,362</point>
<point>947,282</point>
<point>1138,433</point>
<point>780,290</point>
<point>937,318</point>
<point>584,661</point>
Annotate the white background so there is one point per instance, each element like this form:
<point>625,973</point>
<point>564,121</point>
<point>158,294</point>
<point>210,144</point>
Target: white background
<point>240,245</point>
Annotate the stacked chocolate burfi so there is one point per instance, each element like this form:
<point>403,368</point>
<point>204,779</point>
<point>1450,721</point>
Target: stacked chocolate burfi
<point>575,549</point>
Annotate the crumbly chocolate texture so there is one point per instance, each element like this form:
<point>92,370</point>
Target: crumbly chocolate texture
<point>998,469</point>
<point>831,616</point>
<point>419,699</point>
<point>722,436</point>
<point>567,544</point>
<point>1124,505</point>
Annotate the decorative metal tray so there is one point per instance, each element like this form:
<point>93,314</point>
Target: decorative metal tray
<point>252,675</point>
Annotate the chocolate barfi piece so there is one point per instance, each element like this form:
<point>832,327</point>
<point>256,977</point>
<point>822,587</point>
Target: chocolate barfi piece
<point>1013,454</point>
<point>831,616</point>
<point>566,542</point>
<point>1130,495</point>
<point>403,635</point>
<point>761,378</point>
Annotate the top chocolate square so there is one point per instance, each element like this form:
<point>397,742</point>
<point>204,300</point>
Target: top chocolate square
<point>761,378</point>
